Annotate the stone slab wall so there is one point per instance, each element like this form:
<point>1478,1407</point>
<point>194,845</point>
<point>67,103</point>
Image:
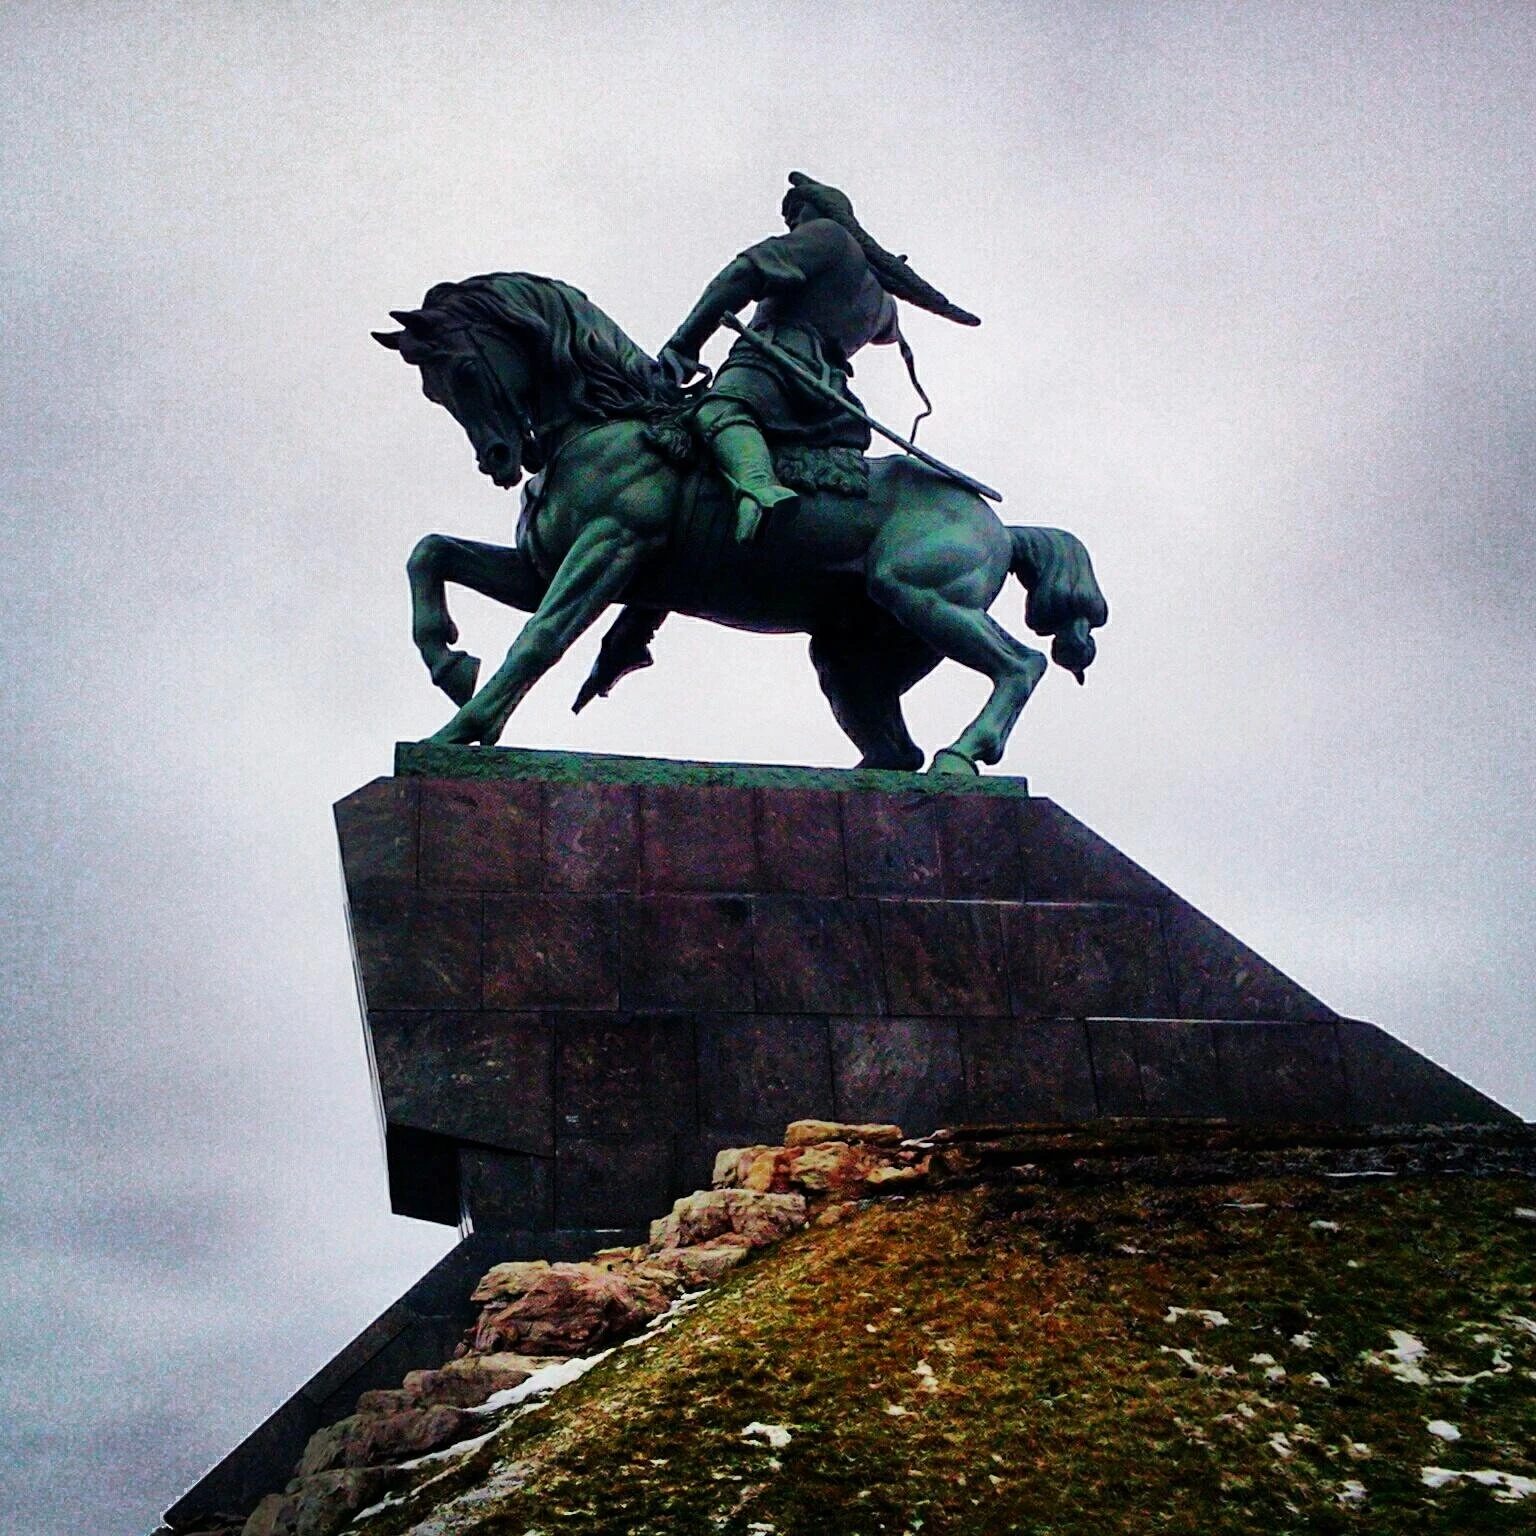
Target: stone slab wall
<point>581,977</point>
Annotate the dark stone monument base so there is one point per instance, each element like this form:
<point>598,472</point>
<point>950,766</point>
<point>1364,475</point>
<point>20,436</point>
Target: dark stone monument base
<point>582,976</point>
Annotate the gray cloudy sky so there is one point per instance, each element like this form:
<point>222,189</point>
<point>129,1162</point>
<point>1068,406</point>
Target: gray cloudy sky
<point>1257,288</point>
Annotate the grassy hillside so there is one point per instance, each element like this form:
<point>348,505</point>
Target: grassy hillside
<point>1278,1353</point>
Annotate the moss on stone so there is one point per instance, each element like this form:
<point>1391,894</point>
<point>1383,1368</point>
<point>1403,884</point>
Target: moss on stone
<point>1073,1361</point>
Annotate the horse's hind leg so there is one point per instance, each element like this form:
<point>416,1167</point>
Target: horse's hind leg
<point>863,679</point>
<point>500,573</point>
<point>939,587</point>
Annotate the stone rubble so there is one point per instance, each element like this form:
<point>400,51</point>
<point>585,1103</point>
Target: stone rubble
<point>534,1313</point>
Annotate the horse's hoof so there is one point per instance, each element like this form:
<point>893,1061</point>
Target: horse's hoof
<point>458,677</point>
<point>949,761</point>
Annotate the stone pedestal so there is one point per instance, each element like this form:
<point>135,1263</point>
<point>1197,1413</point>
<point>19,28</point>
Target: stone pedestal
<point>581,976</point>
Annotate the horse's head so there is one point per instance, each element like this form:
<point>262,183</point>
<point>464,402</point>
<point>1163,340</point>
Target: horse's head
<point>481,377</point>
<point>517,358</point>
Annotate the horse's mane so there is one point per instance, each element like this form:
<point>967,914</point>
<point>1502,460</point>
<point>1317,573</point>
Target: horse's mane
<point>602,372</point>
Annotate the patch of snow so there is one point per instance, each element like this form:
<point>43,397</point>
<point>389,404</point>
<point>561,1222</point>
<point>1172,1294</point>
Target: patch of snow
<point>550,1379</point>
<point>1443,1429</point>
<point>1198,1366</point>
<point>926,1379</point>
<point>1523,1213</point>
<point>1324,1226</point>
<point>1364,1173</point>
<point>1208,1316</point>
<point>1130,1248</point>
<point>1244,1205</point>
<point>387,1502</point>
<point>1303,1340</point>
<point>774,1436</point>
<point>1508,1487</point>
<point>1524,1324</point>
<point>761,1528</point>
<point>449,1452</point>
<point>1356,1450</point>
<point>1351,1492</point>
<point>895,1410</point>
<point>1280,1444</point>
<point>1402,1360</point>
<point>1317,1379</point>
<point>1353,1264</point>
<point>463,1514</point>
<point>1263,1359</point>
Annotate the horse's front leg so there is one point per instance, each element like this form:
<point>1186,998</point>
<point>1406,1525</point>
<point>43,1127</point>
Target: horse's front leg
<point>595,572</point>
<point>500,573</point>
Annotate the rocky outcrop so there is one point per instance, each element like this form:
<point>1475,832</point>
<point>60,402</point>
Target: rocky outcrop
<point>321,1505</point>
<point>570,1309</point>
<point>535,1314</point>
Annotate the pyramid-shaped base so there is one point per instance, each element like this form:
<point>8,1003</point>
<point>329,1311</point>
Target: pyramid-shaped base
<point>581,976</point>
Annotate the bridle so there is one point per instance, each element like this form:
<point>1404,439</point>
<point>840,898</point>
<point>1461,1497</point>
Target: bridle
<point>535,438</point>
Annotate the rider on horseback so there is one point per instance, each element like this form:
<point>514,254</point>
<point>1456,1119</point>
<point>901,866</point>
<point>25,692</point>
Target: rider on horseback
<point>823,291</point>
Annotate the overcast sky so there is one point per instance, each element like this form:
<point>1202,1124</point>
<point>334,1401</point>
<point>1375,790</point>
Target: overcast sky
<point>1256,283</point>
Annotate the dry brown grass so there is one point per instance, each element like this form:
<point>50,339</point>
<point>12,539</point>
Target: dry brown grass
<point>1002,1361</point>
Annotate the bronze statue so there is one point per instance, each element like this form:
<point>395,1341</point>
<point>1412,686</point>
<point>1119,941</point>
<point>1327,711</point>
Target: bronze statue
<point>822,291</point>
<point>888,564</point>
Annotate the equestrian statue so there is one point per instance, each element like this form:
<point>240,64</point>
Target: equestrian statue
<point>747,499</point>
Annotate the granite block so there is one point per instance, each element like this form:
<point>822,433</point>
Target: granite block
<point>800,842</point>
<point>1216,977</point>
<point>481,834</point>
<point>484,1077</point>
<point>416,949</point>
<point>1039,1070</point>
<point>1087,959</point>
<point>551,951</point>
<point>686,952</point>
<point>625,1075</point>
<point>979,847</point>
<point>591,837</point>
<point>697,839</point>
<point>506,1191</point>
<point>376,826</point>
<point>905,1072</point>
<point>1180,1074</point>
<point>423,1175</point>
<point>758,1073</point>
<point>1282,1070</point>
<point>611,1183</point>
<point>1116,1069</point>
<point>1391,1084</point>
<point>892,845</point>
<point>816,955</point>
<point>1064,861</point>
<point>943,958</point>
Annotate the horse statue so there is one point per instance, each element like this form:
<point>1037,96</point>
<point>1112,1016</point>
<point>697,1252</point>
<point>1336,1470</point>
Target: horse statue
<point>621,509</point>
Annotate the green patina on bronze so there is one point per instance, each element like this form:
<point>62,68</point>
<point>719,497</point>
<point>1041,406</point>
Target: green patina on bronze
<point>429,760</point>
<point>664,497</point>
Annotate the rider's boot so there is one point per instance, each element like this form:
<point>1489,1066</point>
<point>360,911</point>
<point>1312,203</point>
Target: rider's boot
<point>742,454</point>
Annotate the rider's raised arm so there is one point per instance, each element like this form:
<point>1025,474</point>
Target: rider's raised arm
<point>783,261</point>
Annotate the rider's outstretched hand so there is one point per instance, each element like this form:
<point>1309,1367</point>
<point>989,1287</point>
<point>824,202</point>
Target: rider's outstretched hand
<point>678,366</point>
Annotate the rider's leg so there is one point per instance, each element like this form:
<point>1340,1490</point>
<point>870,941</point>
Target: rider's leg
<point>736,441</point>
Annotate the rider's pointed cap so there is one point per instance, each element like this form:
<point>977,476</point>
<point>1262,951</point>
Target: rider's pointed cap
<point>895,276</point>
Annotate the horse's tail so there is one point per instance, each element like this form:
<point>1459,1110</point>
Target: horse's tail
<point>1064,596</point>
